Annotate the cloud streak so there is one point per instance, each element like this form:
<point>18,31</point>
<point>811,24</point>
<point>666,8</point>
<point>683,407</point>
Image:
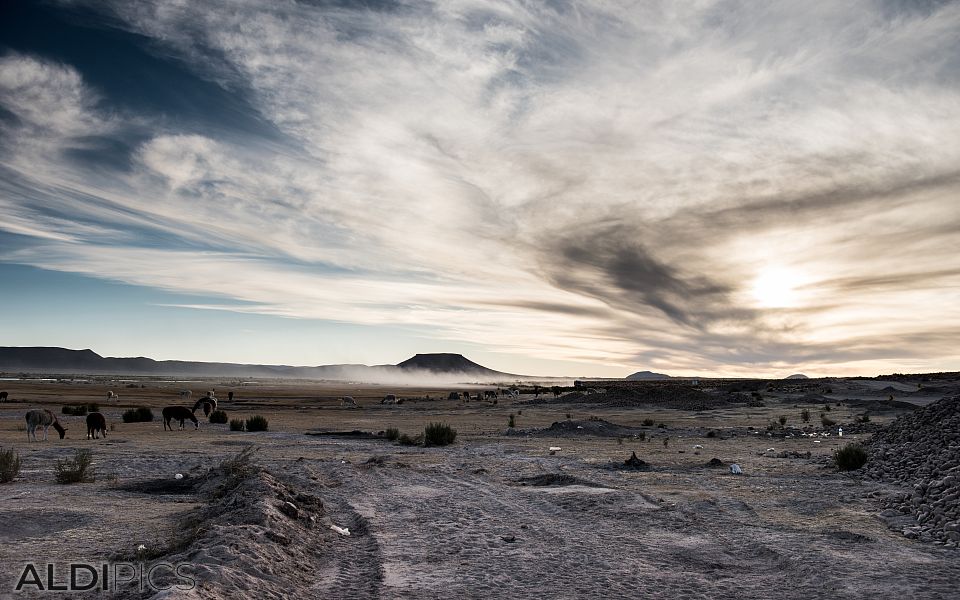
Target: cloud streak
<point>587,182</point>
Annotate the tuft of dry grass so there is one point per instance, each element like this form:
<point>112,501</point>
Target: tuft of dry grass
<point>9,465</point>
<point>77,469</point>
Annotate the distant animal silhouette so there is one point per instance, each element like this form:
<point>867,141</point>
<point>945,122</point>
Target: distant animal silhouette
<point>3,396</point>
<point>453,396</point>
<point>230,396</point>
<point>391,399</point>
<point>42,418</point>
<point>185,395</point>
<point>96,424</point>
<point>209,405</point>
<point>112,396</point>
<point>180,413</point>
<point>489,394</point>
<point>348,401</point>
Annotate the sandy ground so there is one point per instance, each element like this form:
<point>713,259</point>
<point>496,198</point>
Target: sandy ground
<point>457,521</point>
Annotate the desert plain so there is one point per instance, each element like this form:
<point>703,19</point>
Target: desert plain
<point>496,514</point>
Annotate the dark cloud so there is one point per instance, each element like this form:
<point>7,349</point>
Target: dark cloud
<point>611,263</point>
<point>550,307</point>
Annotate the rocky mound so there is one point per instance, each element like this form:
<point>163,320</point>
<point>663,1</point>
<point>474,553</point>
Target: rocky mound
<point>572,428</point>
<point>255,536</point>
<point>922,449</point>
<point>680,397</point>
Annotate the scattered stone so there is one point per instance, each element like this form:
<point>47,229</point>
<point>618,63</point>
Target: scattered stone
<point>715,462</point>
<point>634,462</point>
<point>290,509</point>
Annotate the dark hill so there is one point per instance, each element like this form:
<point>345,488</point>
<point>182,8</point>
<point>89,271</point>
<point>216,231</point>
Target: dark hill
<point>446,363</point>
<point>646,375</point>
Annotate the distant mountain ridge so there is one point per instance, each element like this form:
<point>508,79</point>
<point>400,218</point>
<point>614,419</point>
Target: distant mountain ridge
<point>44,359</point>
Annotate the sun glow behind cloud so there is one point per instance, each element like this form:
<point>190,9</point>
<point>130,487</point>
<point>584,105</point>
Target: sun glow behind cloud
<point>715,188</point>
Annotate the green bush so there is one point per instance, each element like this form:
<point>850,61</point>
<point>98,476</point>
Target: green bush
<point>236,424</point>
<point>850,458</point>
<point>392,433</point>
<point>141,414</point>
<point>218,416</point>
<point>438,434</point>
<point>77,469</point>
<point>257,423</point>
<point>9,465</point>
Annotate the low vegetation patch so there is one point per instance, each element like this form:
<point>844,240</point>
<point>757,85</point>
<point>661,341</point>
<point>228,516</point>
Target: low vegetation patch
<point>9,465</point>
<point>406,440</point>
<point>218,416</point>
<point>257,423</point>
<point>76,469</point>
<point>78,410</point>
<point>141,414</point>
<point>439,434</point>
<point>805,415</point>
<point>648,422</point>
<point>850,458</point>
<point>236,424</point>
<point>392,433</point>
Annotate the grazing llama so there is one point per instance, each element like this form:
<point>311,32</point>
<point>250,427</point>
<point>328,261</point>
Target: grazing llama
<point>112,396</point>
<point>96,424</point>
<point>389,399</point>
<point>348,401</point>
<point>3,396</point>
<point>42,418</point>
<point>180,413</point>
<point>209,405</point>
<point>185,396</point>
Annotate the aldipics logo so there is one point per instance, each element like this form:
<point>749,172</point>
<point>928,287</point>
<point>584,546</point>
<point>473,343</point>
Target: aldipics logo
<point>84,577</point>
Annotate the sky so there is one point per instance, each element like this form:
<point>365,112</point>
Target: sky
<point>548,187</point>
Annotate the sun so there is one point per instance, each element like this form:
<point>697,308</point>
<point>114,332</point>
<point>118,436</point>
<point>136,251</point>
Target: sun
<point>775,287</point>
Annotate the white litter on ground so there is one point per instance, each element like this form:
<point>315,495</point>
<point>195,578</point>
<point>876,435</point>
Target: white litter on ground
<point>344,531</point>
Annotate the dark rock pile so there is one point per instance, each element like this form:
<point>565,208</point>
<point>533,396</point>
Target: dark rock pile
<point>922,449</point>
<point>680,397</point>
<point>589,427</point>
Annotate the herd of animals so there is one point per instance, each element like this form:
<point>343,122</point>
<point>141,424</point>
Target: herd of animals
<point>97,423</point>
<point>44,418</point>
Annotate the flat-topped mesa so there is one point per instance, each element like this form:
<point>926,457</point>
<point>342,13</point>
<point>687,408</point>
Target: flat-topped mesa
<point>444,363</point>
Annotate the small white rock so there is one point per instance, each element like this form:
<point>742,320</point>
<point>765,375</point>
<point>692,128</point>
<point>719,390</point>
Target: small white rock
<point>179,476</point>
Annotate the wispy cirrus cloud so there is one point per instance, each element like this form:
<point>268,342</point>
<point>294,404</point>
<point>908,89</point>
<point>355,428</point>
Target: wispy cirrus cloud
<point>589,182</point>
